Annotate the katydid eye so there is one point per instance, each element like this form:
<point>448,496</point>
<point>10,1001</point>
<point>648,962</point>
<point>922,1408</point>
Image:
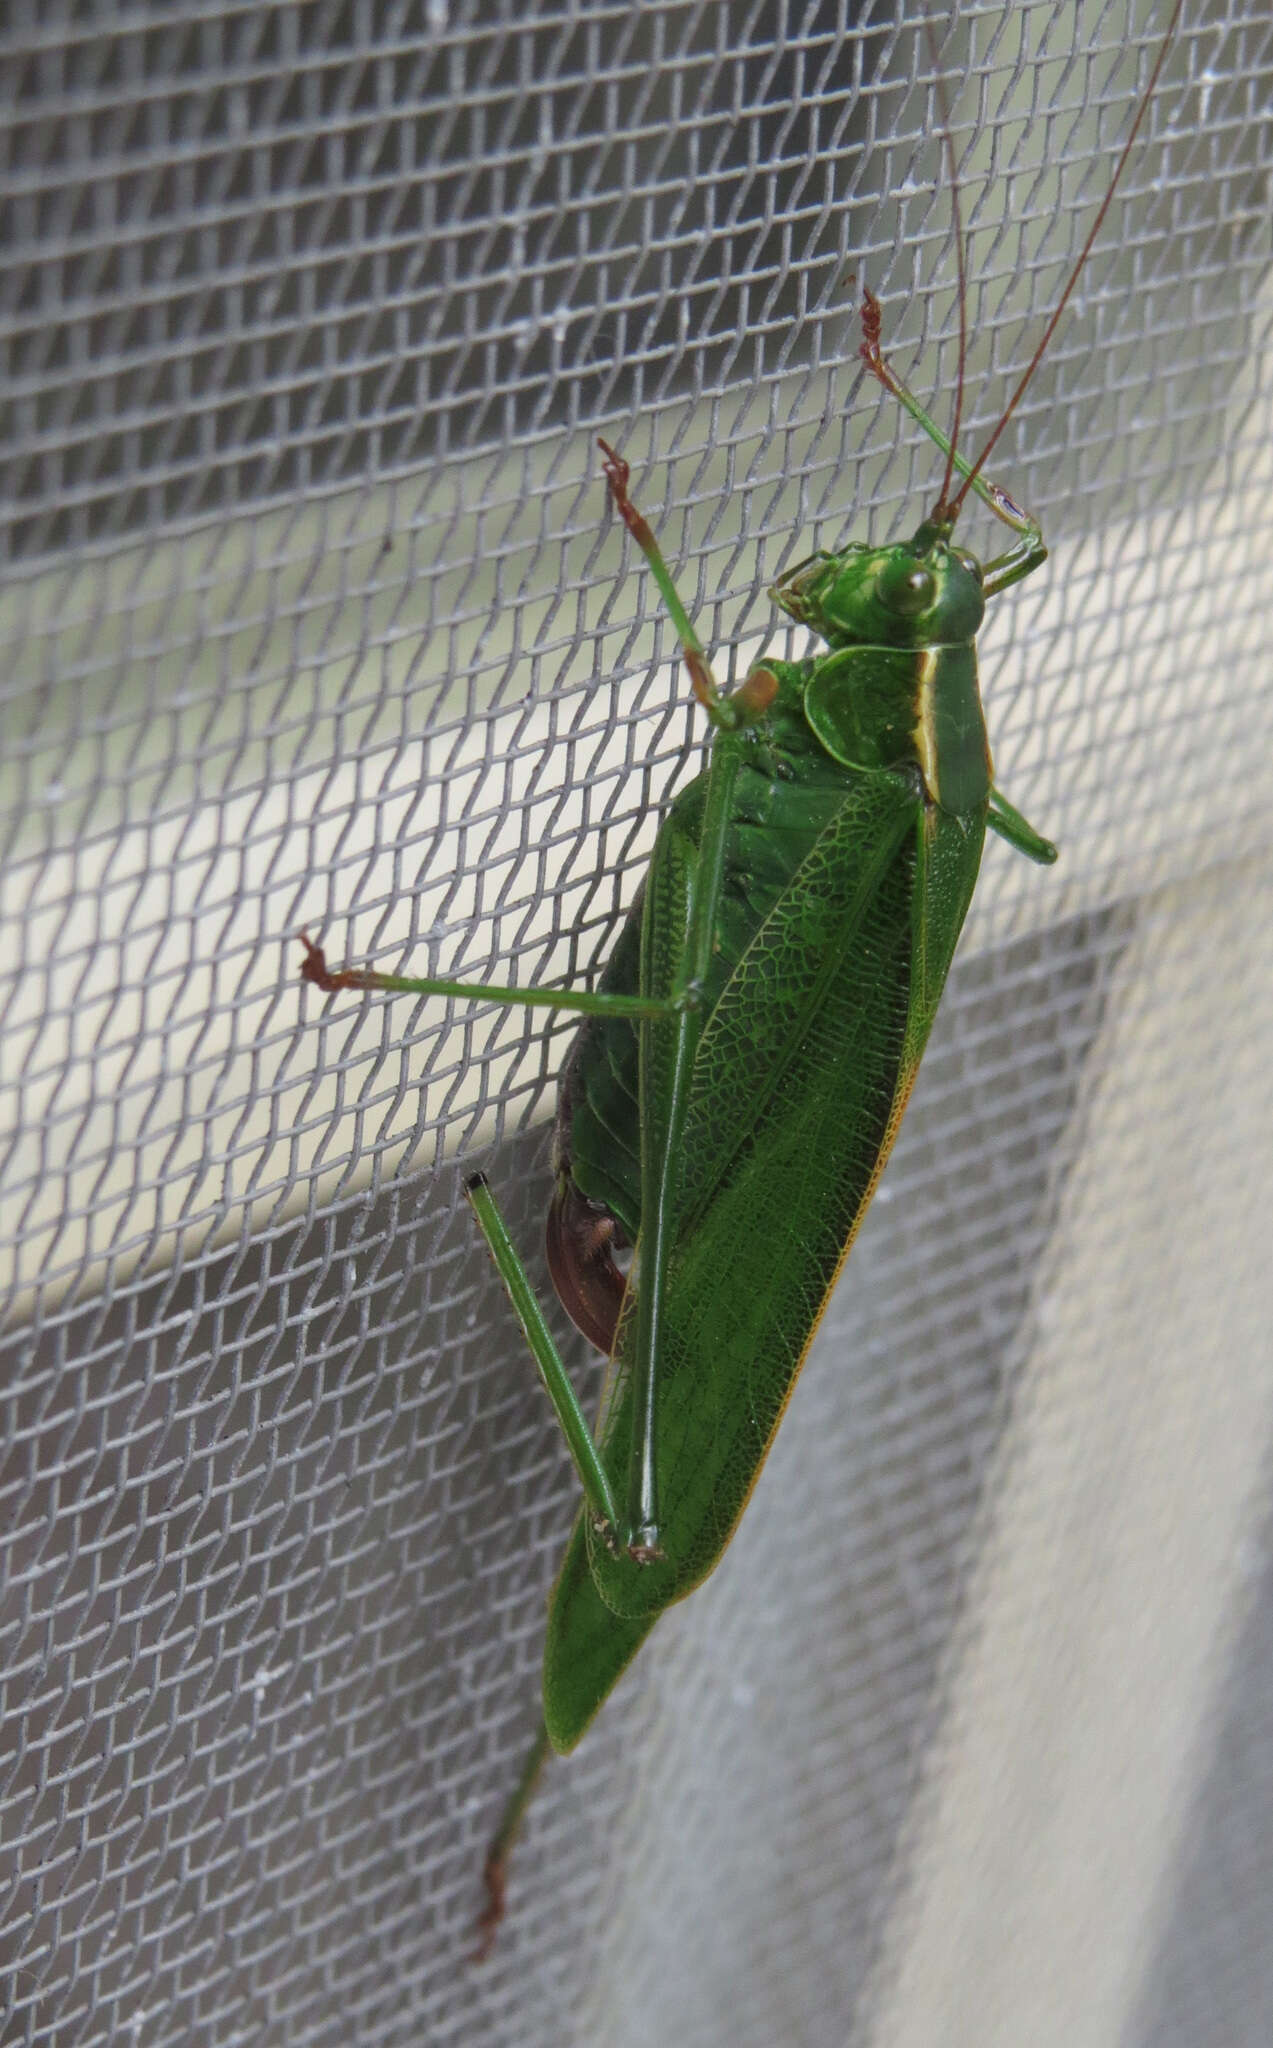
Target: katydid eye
<point>968,562</point>
<point>906,587</point>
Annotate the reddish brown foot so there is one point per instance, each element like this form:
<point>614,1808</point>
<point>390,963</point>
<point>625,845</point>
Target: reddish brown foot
<point>617,473</point>
<point>870,351</point>
<point>314,968</point>
<point>495,1877</point>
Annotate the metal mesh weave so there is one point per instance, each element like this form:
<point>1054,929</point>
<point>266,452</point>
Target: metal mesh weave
<point>313,615</point>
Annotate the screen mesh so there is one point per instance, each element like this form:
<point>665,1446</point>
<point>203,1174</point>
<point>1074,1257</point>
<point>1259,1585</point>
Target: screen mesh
<point>314,616</point>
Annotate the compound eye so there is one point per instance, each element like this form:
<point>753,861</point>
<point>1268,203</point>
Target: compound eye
<point>968,562</point>
<point>906,586</point>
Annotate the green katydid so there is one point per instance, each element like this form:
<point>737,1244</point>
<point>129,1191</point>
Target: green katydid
<point>734,1091</point>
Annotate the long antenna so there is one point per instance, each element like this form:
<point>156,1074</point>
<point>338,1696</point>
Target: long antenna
<point>943,104</point>
<point>1084,253</point>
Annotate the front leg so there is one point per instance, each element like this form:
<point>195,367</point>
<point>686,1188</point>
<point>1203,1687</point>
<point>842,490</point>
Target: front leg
<point>757,693</point>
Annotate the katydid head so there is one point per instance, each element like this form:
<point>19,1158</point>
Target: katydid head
<point>924,592</point>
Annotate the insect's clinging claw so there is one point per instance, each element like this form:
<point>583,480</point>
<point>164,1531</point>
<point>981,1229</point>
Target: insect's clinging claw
<point>617,473</point>
<point>314,966</point>
<point>870,351</point>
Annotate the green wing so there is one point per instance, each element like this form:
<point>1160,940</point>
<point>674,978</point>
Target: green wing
<point>799,1085</point>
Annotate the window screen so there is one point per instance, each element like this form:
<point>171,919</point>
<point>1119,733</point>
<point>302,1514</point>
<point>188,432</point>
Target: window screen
<point>316,617</point>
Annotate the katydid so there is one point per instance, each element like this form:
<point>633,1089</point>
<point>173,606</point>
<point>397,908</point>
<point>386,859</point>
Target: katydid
<point>734,1091</point>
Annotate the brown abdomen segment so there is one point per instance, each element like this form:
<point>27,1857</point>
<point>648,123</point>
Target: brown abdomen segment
<point>581,1237</point>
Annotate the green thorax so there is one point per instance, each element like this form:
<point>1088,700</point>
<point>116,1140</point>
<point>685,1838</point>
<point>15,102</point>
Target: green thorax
<point>899,687</point>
